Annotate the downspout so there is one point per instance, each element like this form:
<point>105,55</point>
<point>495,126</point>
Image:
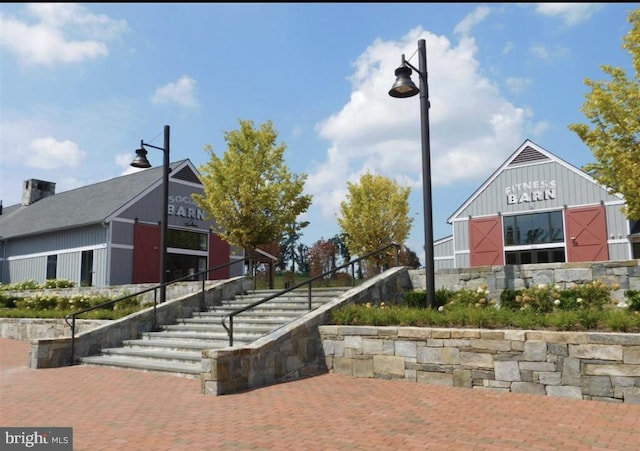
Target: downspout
<point>4,259</point>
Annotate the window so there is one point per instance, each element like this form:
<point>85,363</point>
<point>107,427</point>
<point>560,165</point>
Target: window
<point>86,269</point>
<point>52,267</point>
<point>535,228</point>
<point>187,240</point>
<point>535,235</point>
<point>550,255</point>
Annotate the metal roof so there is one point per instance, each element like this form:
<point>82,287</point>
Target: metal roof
<point>91,204</point>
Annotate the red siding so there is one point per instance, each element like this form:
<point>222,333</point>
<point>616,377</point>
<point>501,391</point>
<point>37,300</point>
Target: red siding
<point>586,238</point>
<point>146,253</point>
<point>219,251</point>
<point>485,235</point>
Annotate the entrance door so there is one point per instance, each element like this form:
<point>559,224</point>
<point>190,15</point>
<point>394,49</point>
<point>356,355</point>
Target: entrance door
<point>586,234</point>
<point>146,253</point>
<point>485,236</point>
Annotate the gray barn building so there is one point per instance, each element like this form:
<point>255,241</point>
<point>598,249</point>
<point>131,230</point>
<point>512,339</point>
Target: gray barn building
<point>108,233</point>
<point>537,208</point>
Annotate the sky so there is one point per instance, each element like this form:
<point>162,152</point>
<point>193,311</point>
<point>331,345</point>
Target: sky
<point>83,83</point>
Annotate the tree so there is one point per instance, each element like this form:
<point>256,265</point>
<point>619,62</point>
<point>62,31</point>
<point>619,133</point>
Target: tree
<point>250,192</point>
<point>375,214</point>
<point>322,257</point>
<point>613,108</point>
<point>408,258</point>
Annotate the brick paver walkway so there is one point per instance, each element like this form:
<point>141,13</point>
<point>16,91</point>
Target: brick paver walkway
<point>116,409</point>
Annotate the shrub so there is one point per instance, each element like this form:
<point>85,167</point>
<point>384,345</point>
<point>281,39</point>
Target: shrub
<point>633,299</point>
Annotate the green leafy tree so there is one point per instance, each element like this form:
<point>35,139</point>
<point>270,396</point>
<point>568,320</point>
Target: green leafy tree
<point>374,214</point>
<point>613,107</point>
<point>250,192</point>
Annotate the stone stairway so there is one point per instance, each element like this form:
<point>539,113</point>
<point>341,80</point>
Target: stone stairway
<point>177,348</point>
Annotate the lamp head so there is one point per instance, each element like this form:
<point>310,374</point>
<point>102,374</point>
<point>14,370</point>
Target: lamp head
<point>404,86</point>
<point>140,161</point>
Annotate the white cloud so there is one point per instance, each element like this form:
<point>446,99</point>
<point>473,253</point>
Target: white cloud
<point>571,13</point>
<point>48,153</point>
<point>541,52</point>
<point>181,92</point>
<point>465,26</point>
<point>472,127</point>
<point>517,85</point>
<point>62,33</point>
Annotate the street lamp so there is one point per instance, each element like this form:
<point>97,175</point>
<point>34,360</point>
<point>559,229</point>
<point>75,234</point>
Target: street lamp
<point>404,87</point>
<point>141,162</point>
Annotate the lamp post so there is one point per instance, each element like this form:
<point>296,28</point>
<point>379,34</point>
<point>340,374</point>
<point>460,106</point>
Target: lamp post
<point>404,87</point>
<point>141,161</point>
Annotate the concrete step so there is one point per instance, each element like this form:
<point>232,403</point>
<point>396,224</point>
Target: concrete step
<point>177,348</point>
<point>144,364</point>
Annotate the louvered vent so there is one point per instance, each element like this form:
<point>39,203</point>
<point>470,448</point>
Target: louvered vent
<point>528,155</point>
<point>187,175</point>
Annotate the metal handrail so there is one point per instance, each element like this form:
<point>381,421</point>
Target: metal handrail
<point>308,282</point>
<point>73,315</point>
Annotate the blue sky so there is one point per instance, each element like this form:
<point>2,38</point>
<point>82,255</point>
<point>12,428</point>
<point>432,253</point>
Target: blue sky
<point>82,84</point>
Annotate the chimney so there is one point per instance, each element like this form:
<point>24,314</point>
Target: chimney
<point>34,190</point>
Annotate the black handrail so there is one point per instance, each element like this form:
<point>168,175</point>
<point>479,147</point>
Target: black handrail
<point>298,285</point>
<point>155,299</point>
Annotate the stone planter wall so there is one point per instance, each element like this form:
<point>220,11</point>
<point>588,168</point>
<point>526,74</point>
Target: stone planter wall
<point>35,328</point>
<point>582,365</point>
<point>624,273</point>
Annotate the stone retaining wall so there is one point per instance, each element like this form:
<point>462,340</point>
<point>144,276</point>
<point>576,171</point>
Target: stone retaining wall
<point>581,365</point>
<point>293,351</point>
<point>624,273</point>
<point>35,328</point>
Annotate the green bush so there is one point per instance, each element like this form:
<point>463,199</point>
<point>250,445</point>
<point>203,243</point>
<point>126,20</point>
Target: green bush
<point>418,298</point>
<point>585,307</point>
<point>633,299</point>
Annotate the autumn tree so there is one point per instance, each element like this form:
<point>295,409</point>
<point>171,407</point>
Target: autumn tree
<point>322,257</point>
<point>406,257</point>
<point>374,214</point>
<point>613,108</point>
<point>250,192</point>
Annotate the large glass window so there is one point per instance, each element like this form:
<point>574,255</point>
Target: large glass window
<point>534,228</point>
<point>524,257</point>
<point>187,240</point>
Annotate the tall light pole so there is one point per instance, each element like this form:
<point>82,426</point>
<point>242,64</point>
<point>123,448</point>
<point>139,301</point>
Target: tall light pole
<point>141,162</point>
<point>404,87</point>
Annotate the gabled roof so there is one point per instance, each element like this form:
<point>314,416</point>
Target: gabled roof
<point>528,153</point>
<point>87,205</point>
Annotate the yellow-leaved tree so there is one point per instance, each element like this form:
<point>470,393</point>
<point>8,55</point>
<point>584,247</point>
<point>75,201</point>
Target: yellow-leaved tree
<point>613,107</point>
<point>250,192</point>
<point>374,214</point>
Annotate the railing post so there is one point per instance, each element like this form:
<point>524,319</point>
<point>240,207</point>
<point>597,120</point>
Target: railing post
<point>230,330</point>
<point>204,301</point>
<point>73,338</point>
<point>155,316</point>
<point>310,295</point>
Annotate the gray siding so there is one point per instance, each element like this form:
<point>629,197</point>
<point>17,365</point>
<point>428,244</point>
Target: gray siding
<point>69,263</point>
<point>443,247</point>
<point>570,189</point>
<point>461,234</point>
<point>121,266</point>
<point>122,233</point>
<point>443,253</point>
<point>617,224</point>
<point>182,209</point>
